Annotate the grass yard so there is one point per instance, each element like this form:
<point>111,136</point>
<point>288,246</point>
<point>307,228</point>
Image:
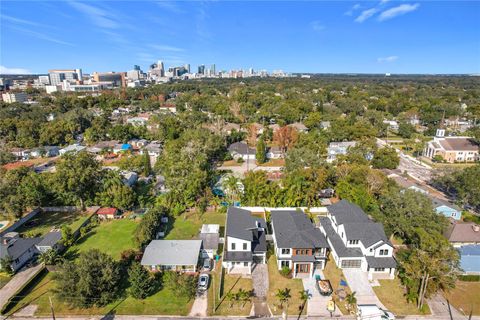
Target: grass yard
<point>233,283</point>
<point>163,302</point>
<point>391,294</point>
<point>335,274</point>
<point>43,222</point>
<point>188,225</point>
<point>276,282</point>
<point>273,163</point>
<point>466,296</point>
<point>231,163</point>
<point>111,237</point>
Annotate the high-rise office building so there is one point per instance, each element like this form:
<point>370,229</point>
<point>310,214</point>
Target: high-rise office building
<point>58,75</point>
<point>201,69</point>
<point>157,69</point>
<point>116,78</point>
<point>212,70</point>
<point>187,67</point>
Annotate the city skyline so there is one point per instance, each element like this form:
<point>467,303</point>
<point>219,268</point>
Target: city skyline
<point>311,37</point>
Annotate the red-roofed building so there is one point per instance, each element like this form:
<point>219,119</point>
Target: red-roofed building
<point>109,213</point>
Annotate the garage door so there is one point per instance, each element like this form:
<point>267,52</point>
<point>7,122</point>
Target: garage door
<point>351,263</point>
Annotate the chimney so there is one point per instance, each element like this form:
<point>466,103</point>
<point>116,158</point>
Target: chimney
<point>476,228</point>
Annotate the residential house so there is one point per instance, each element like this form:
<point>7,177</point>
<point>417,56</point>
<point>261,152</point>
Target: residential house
<point>102,147</point>
<point>452,149</point>
<point>137,121</point>
<point>325,125</point>
<point>356,242</point>
<point>228,128</point>
<point>109,213</point>
<point>46,151</point>
<point>447,209</point>
<point>241,150</point>
<point>245,242</point>
<point>338,148</point>
<point>51,240</point>
<point>299,245</point>
<point>463,233</point>
<point>326,193</point>
<point>129,177</point>
<point>300,127</point>
<point>138,143</point>
<point>19,250</point>
<point>154,149</point>
<point>73,148</point>
<point>274,153</point>
<point>172,255</point>
<point>391,124</point>
<point>20,153</point>
<point>210,236</point>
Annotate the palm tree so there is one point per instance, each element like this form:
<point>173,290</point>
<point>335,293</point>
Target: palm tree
<point>244,296</point>
<point>351,301</point>
<point>49,257</point>
<point>232,298</point>
<point>231,188</point>
<point>283,296</point>
<point>304,296</point>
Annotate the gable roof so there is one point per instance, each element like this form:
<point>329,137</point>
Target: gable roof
<point>172,252</point>
<point>463,232</point>
<point>345,211</point>
<point>458,144</point>
<point>241,148</point>
<point>438,203</point>
<point>18,247</point>
<point>369,233</point>
<point>293,229</point>
<point>50,239</point>
<point>240,224</point>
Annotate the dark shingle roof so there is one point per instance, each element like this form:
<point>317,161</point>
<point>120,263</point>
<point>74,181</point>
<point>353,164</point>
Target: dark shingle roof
<point>241,256</point>
<point>241,148</point>
<point>240,223</point>
<point>17,247</point>
<point>336,241</point>
<point>369,233</point>
<point>345,211</point>
<point>50,239</point>
<point>210,240</point>
<point>388,262</point>
<point>438,203</point>
<point>294,230</point>
<point>303,258</point>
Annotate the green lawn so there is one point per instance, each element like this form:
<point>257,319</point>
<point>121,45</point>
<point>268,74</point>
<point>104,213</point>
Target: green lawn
<point>43,222</point>
<point>163,302</point>
<point>335,274</point>
<point>466,296</point>
<point>188,225</point>
<point>233,283</point>
<point>391,294</point>
<point>276,281</point>
<point>111,237</point>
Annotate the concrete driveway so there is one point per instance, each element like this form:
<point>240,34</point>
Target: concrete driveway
<point>17,282</point>
<point>317,304</point>
<point>358,282</point>
<point>200,305</point>
<point>260,289</point>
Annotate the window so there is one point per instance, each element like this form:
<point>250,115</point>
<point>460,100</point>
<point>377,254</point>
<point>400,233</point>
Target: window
<point>384,252</point>
<point>233,246</point>
<point>245,264</point>
<point>379,269</point>
<point>351,263</point>
<point>285,251</point>
<point>353,241</point>
<point>284,264</point>
<point>245,246</point>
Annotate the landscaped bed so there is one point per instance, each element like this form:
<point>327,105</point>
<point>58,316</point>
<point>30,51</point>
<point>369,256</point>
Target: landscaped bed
<point>335,274</point>
<point>276,282</point>
<point>466,296</point>
<point>392,294</point>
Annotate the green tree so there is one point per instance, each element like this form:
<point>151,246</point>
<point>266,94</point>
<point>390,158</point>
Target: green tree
<point>351,300</point>
<point>92,280</point>
<point>67,236</point>
<point>147,167</point>
<point>149,226</point>
<point>50,257</point>
<point>261,154</point>
<point>386,158</point>
<point>142,283</point>
<point>283,296</point>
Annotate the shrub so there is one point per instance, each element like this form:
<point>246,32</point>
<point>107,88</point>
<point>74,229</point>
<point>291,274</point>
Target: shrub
<point>285,271</point>
<point>469,277</point>
<point>181,284</point>
<point>240,160</point>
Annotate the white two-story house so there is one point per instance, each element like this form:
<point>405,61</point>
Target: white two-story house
<point>357,242</point>
<point>245,243</point>
<point>299,245</point>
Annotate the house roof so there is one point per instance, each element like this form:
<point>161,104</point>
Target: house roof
<point>387,262</point>
<point>369,233</point>
<point>17,247</point>
<point>239,256</point>
<point>345,211</point>
<point>107,211</point>
<point>299,126</point>
<point>241,148</point>
<point>293,229</point>
<point>438,203</point>
<point>172,252</point>
<point>336,241</point>
<point>240,223</point>
<point>50,239</point>
<point>210,240</point>
<point>463,232</point>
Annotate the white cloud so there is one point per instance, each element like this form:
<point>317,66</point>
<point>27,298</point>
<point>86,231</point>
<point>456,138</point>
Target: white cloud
<point>6,70</point>
<point>18,20</point>
<point>366,14</point>
<point>169,5</point>
<point>397,11</point>
<point>317,26</point>
<point>166,48</point>
<point>41,36</point>
<point>387,59</point>
<point>352,9</point>
<point>384,1</point>
<point>99,17</point>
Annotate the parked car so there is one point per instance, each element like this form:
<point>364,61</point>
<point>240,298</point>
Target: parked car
<point>203,282</point>
<point>373,312</point>
<point>207,264</point>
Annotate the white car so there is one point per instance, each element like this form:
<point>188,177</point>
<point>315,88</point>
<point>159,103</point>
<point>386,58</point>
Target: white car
<point>373,312</point>
<point>203,282</point>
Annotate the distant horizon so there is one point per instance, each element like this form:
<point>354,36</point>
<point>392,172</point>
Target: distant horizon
<point>383,36</point>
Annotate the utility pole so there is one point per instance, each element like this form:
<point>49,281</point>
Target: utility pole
<point>51,307</point>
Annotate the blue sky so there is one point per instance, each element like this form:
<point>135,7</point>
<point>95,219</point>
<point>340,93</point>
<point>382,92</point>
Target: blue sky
<point>301,36</point>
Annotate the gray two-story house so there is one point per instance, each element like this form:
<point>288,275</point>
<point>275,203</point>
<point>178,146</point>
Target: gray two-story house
<point>357,242</point>
<point>299,244</point>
